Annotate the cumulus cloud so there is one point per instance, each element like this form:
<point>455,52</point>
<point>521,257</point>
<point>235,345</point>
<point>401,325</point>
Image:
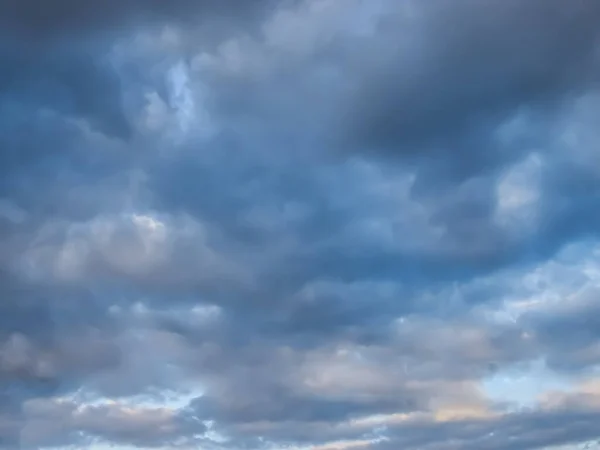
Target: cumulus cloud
<point>307,224</point>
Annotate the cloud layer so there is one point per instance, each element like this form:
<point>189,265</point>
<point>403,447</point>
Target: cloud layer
<point>311,224</point>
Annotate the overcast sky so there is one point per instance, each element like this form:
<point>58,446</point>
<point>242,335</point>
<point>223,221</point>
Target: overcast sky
<point>299,224</point>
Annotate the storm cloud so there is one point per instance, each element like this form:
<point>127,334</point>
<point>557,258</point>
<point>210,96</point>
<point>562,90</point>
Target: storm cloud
<point>308,224</point>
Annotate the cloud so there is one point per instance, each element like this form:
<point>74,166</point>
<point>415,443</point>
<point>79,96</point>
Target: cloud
<point>60,421</point>
<point>68,17</point>
<point>466,69</point>
<point>315,224</point>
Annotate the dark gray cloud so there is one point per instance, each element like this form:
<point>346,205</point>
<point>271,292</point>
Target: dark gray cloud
<point>39,20</point>
<point>320,223</point>
<point>466,73</point>
<point>437,105</point>
<point>456,174</point>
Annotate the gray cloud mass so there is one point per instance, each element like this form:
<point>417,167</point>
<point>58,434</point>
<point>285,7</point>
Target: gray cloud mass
<point>307,224</point>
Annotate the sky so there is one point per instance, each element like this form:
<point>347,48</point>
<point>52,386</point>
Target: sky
<point>299,224</point>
